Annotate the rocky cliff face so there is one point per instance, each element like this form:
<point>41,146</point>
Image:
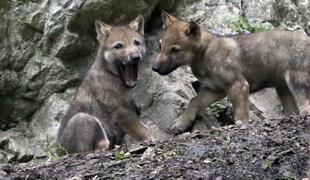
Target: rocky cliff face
<point>46,46</point>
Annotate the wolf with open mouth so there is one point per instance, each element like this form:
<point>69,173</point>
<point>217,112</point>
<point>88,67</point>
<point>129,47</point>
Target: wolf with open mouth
<point>100,115</point>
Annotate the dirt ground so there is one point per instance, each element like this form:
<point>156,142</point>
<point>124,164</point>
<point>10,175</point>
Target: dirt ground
<point>269,149</point>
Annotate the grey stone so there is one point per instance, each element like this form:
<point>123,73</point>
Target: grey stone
<point>46,120</point>
<point>11,158</point>
<point>47,46</point>
<point>2,157</point>
<point>209,13</point>
<point>8,82</point>
<point>259,11</point>
<point>148,153</point>
<point>267,102</point>
<point>15,147</point>
<point>2,174</point>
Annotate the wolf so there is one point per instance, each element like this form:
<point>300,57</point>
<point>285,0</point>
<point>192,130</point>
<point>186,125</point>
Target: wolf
<point>236,66</point>
<point>100,115</point>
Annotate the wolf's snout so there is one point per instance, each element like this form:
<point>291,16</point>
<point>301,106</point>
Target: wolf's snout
<point>155,67</point>
<point>135,57</point>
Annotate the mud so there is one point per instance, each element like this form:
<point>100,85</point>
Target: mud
<point>266,149</point>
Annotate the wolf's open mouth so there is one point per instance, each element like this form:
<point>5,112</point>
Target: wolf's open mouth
<point>129,74</point>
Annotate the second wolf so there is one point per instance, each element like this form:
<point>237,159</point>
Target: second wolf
<point>236,66</point>
<point>100,114</point>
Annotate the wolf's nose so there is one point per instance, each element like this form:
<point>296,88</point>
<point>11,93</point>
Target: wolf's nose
<point>155,67</point>
<point>135,57</point>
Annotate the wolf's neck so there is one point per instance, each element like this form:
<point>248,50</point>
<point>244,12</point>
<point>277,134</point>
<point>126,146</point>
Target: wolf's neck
<point>201,48</point>
<point>202,44</point>
<point>206,39</point>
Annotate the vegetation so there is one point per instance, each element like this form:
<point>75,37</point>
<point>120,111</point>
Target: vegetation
<point>239,24</point>
<point>217,108</point>
<point>223,113</point>
<point>53,149</point>
<point>120,153</point>
<point>288,178</point>
<point>279,106</point>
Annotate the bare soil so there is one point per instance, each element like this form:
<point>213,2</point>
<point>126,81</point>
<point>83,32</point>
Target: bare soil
<point>266,149</point>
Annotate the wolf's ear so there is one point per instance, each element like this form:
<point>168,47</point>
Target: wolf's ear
<point>167,19</point>
<point>138,24</point>
<point>103,30</point>
<point>193,29</point>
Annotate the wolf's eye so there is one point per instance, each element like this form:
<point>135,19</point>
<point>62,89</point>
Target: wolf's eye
<point>136,42</point>
<point>174,50</point>
<point>118,46</point>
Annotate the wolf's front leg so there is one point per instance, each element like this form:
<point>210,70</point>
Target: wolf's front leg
<point>239,94</point>
<point>204,98</point>
<point>140,132</point>
<point>130,124</point>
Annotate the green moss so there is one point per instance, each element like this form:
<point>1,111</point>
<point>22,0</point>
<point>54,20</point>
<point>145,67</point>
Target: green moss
<point>239,24</point>
<point>287,178</point>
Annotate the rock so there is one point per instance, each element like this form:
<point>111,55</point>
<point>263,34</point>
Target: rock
<point>3,157</point>
<point>50,30</point>
<point>308,173</point>
<point>46,47</point>
<point>148,153</point>
<point>267,103</point>
<point>166,4</point>
<point>44,126</point>
<point>39,41</point>
<point>2,174</point>
<point>209,13</point>
<point>286,13</point>
<point>15,147</point>
<point>160,99</point>
<point>47,119</point>
<point>8,82</point>
<point>259,11</point>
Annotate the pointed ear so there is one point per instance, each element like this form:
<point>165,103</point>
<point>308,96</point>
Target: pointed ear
<point>103,30</point>
<point>193,29</point>
<point>167,19</point>
<point>138,24</point>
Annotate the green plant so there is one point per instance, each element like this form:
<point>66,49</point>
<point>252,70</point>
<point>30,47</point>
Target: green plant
<point>287,178</point>
<point>120,153</point>
<point>279,106</point>
<point>217,108</point>
<point>53,149</point>
<point>239,24</point>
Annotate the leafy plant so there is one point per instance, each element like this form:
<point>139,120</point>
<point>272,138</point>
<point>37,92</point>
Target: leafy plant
<point>239,24</point>
<point>53,149</point>
<point>120,153</point>
<point>217,108</point>
<point>288,178</point>
<point>279,106</point>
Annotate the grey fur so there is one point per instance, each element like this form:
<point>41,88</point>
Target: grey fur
<point>237,66</point>
<point>100,114</point>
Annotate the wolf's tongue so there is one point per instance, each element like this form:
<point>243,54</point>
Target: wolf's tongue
<point>130,75</point>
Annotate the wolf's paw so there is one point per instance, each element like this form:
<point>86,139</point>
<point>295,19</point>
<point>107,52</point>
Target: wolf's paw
<point>239,122</point>
<point>102,146</point>
<point>181,125</point>
<point>150,138</point>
